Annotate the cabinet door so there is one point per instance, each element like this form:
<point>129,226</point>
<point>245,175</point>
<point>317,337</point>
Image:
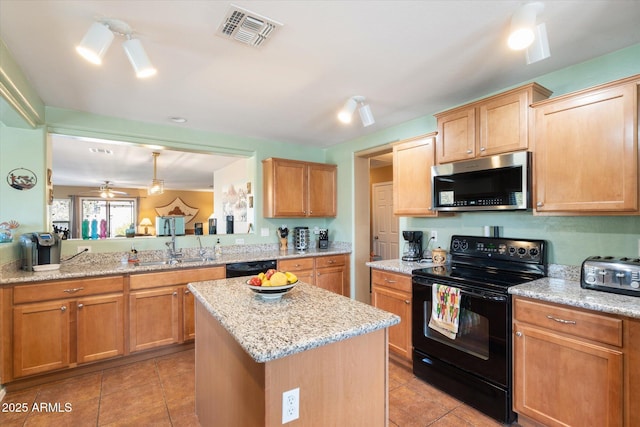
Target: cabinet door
<point>322,190</point>
<point>100,327</point>
<point>456,138</point>
<point>285,187</point>
<point>188,315</point>
<point>331,279</point>
<point>153,318</point>
<point>41,337</point>
<point>586,156</point>
<point>399,303</point>
<point>504,124</point>
<point>562,381</point>
<point>412,192</point>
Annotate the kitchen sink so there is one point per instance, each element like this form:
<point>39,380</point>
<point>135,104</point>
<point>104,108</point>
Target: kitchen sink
<point>177,261</point>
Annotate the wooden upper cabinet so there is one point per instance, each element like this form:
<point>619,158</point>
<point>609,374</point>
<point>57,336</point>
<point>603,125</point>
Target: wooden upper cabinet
<point>586,151</point>
<point>412,161</point>
<point>499,124</point>
<point>294,188</point>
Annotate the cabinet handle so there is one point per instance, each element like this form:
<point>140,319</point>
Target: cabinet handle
<point>518,334</point>
<point>539,204</point>
<point>63,308</point>
<point>73,290</point>
<point>187,292</point>
<point>175,294</point>
<point>469,151</point>
<point>565,322</point>
<point>331,261</point>
<point>407,301</point>
<point>483,149</point>
<point>390,281</point>
<point>80,306</point>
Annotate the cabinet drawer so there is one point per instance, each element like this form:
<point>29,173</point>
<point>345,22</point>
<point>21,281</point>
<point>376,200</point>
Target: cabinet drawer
<point>330,261</point>
<point>591,326</point>
<point>391,280</point>
<point>295,264</point>
<point>66,289</point>
<point>154,280</point>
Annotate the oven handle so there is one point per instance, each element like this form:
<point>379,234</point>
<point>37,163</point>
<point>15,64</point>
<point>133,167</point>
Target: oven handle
<point>484,296</point>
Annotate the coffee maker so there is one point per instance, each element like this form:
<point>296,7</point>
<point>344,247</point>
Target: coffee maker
<point>323,239</point>
<point>40,249</point>
<point>412,246</point>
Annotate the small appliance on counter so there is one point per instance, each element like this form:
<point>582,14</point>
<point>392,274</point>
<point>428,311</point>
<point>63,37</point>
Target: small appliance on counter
<point>301,238</point>
<point>610,274</point>
<point>164,224</point>
<point>40,251</point>
<point>323,239</point>
<point>412,246</point>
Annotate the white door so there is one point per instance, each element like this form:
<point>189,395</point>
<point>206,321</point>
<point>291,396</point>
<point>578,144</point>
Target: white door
<point>385,223</point>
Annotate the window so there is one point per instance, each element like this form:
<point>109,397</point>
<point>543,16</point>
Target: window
<point>61,215</point>
<point>107,218</point>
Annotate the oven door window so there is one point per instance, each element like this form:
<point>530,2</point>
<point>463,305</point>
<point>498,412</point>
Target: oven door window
<point>473,330</point>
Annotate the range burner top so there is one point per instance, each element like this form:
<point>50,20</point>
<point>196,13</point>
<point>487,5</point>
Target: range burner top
<point>610,274</point>
<point>491,262</point>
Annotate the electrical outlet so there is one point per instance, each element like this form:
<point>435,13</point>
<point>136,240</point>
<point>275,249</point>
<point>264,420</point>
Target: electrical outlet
<point>239,241</point>
<point>264,232</point>
<point>290,405</point>
<point>83,248</point>
<point>434,235</point>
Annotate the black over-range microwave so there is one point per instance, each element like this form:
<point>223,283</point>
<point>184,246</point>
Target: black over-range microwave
<point>501,182</point>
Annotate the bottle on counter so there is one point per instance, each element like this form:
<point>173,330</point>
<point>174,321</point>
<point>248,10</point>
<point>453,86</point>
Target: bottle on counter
<point>133,255</point>
<point>217,249</point>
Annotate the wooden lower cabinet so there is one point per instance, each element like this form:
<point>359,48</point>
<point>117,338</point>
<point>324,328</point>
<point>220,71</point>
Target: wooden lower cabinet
<point>41,337</point>
<point>161,306</point>
<point>568,365</point>
<point>330,272</point>
<point>153,318</point>
<point>60,333</point>
<point>392,292</point>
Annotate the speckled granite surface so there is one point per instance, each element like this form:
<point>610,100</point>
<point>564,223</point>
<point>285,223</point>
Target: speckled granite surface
<point>104,264</point>
<point>570,293</point>
<point>306,317</point>
<point>398,266</point>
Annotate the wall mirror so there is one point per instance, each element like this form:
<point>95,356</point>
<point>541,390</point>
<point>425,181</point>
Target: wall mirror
<point>101,189</point>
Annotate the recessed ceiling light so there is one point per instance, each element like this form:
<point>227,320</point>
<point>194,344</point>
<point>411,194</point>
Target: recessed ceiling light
<point>178,119</point>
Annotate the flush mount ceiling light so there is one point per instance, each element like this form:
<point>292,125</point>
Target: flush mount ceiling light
<point>157,185</point>
<point>366,116</point>
<point>523,25</point>
<point>99,37</point>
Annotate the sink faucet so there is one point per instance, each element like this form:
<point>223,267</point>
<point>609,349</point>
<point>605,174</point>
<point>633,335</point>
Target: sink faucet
<point>173,253</point>
<point>202,251</point>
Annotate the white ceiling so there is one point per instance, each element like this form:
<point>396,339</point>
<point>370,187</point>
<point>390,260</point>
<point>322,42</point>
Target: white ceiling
<point>408,58</point>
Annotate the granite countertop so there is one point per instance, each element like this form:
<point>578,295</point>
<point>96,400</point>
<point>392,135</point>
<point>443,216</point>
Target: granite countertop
<point>569,292</point>
<point>304,318</point>
<point>398,266</point>
<point>106,264</point>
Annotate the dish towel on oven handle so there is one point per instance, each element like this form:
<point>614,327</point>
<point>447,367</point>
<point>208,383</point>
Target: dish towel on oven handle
<point>445,310</point>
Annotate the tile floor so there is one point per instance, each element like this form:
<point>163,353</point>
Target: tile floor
<point>159,392</point>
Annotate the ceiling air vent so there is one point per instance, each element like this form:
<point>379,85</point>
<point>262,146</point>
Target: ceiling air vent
<point>246,27</point>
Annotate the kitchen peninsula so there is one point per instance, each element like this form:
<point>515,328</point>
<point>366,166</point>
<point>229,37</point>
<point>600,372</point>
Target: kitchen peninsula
<point>250,351</point>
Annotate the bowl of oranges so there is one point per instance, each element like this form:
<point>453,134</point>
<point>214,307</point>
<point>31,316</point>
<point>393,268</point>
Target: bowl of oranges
<point>272,284</point>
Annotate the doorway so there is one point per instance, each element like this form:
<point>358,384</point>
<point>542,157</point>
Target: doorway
<point>384,224</point>
<point>364,163</point>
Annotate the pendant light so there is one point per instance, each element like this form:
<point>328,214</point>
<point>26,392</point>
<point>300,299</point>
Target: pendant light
<point>157,185</point>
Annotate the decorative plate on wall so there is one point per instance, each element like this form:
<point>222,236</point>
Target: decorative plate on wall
<point>22,179</point>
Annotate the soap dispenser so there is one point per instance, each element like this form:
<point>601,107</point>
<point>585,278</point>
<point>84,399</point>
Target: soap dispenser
<point>217,249</point>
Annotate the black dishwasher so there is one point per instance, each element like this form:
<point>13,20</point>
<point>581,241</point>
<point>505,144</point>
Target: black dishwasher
<point>252,268</point>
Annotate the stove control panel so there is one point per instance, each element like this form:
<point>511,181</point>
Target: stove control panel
<point>611,274</point>
<point>518,250</point>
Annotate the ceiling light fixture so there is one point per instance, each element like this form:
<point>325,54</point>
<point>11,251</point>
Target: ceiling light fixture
<point>346,113</point>
<point>99,37</point>
<point>523,25</point>
<point>539,49</point>
<point>157,185</point>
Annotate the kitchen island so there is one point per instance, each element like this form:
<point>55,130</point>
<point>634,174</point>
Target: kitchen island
<point>250,351</point>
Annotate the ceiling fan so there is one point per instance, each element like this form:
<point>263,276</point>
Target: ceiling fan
<point>107,192</point>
